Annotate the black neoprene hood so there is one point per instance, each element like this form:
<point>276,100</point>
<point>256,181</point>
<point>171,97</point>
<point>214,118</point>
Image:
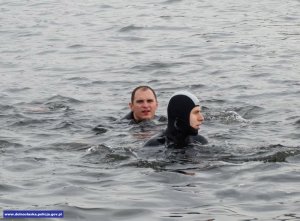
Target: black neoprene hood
<point>181,104</point>
<point>179,109</point>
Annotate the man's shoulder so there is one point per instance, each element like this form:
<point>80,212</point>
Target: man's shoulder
<point>131,119</point>
<point>156,140</point>
<point>199,139</point>
<point>128,116</point>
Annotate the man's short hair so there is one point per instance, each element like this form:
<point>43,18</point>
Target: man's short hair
<point>143,88</point>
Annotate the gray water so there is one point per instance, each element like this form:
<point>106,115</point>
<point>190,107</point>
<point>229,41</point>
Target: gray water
<point>68,67</point>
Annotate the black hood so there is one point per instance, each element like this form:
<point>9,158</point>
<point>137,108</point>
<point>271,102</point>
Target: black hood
<point>179,109</point>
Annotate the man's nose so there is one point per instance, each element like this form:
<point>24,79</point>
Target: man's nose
<point>201,117</point>
<point>145,104</point>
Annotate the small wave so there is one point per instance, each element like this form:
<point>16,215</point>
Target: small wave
<point>60,102</point>
<point>131,38</point>
<point>75,46</point>
<point>63,125</point>
<point>156,165</point>
<point>270,153</point>
<point>67,146</point>
<point>130,28</point>
<point>171,1</point>
<point>158,65</point>
<point>297,123</point>
<point>249,111</point>
<point>100,129</point>
<point>4,144</point>
<point>227,117</point>
<point>62,98</point>
<point>6,107</point>
<point>21,89</point>
<point>105,154</point>
<point>29,121</point>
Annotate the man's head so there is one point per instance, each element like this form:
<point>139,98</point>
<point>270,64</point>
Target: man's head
<point>143,103</point>
<point>184,113</point>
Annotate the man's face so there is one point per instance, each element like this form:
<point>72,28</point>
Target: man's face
<point>196,118</point>
<point>144,105</point>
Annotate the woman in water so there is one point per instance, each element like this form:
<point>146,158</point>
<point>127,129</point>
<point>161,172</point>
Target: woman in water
<point>184,120</point>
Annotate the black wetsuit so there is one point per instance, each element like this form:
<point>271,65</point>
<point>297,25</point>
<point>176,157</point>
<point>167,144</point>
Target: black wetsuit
<point>179,133</point>
<point>169,141</point>
<point>131,119</point>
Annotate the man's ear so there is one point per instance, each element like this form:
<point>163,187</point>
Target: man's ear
<point>130,105</point>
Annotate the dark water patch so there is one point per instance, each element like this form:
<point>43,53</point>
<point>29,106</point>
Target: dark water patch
<point>216,101</point>
<point>295,136</point>
<point>9,188</point>
<point>105,6</point>
<point>291,18</point>
<point>100,129</point>
<point>40,4</point>
<point>8,65</point>
<point>65,125</point>
<point>240,87</point>
<point>259,75</point>
<point>270,153</point>
<point>64,99</point>
<point>20,166</point>
<point>280,177</point>
<point>131,213</point>
<point>220,58</point>
<point>71,190</point>
<point>22,89</point>
<point>4,144</point>
<point>130,28</point>
<point>131,38</point>
<point>252,195</point>
<point>171,2</point>
<point>109,82</point>
<point>30,122</point>
<point>14,203</point>
<point>155,165</point>
<point>67,146</point>
<point>297,122</point>
<point>76,79</point>
<point>76,46</point>
<point>196,86</point>
<point>6,107</point>
<point>169,28</point>
<point>217,35</point>
<point>59,102</point>
<point>46,52</point>
<point>26,34</point>
<point>154,66</point>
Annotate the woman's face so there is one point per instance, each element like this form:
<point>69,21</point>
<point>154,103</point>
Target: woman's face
<point>196,118</point>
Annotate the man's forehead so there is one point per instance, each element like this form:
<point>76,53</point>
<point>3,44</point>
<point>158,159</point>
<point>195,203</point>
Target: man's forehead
<point>144,94</point>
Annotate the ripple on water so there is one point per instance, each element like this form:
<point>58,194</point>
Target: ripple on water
<point>9,147</point>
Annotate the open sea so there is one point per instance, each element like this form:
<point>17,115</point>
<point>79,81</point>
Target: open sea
<point>67,69</point>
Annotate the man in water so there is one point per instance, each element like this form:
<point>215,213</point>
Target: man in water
<point>184,120</point>
<point>143,105</point>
